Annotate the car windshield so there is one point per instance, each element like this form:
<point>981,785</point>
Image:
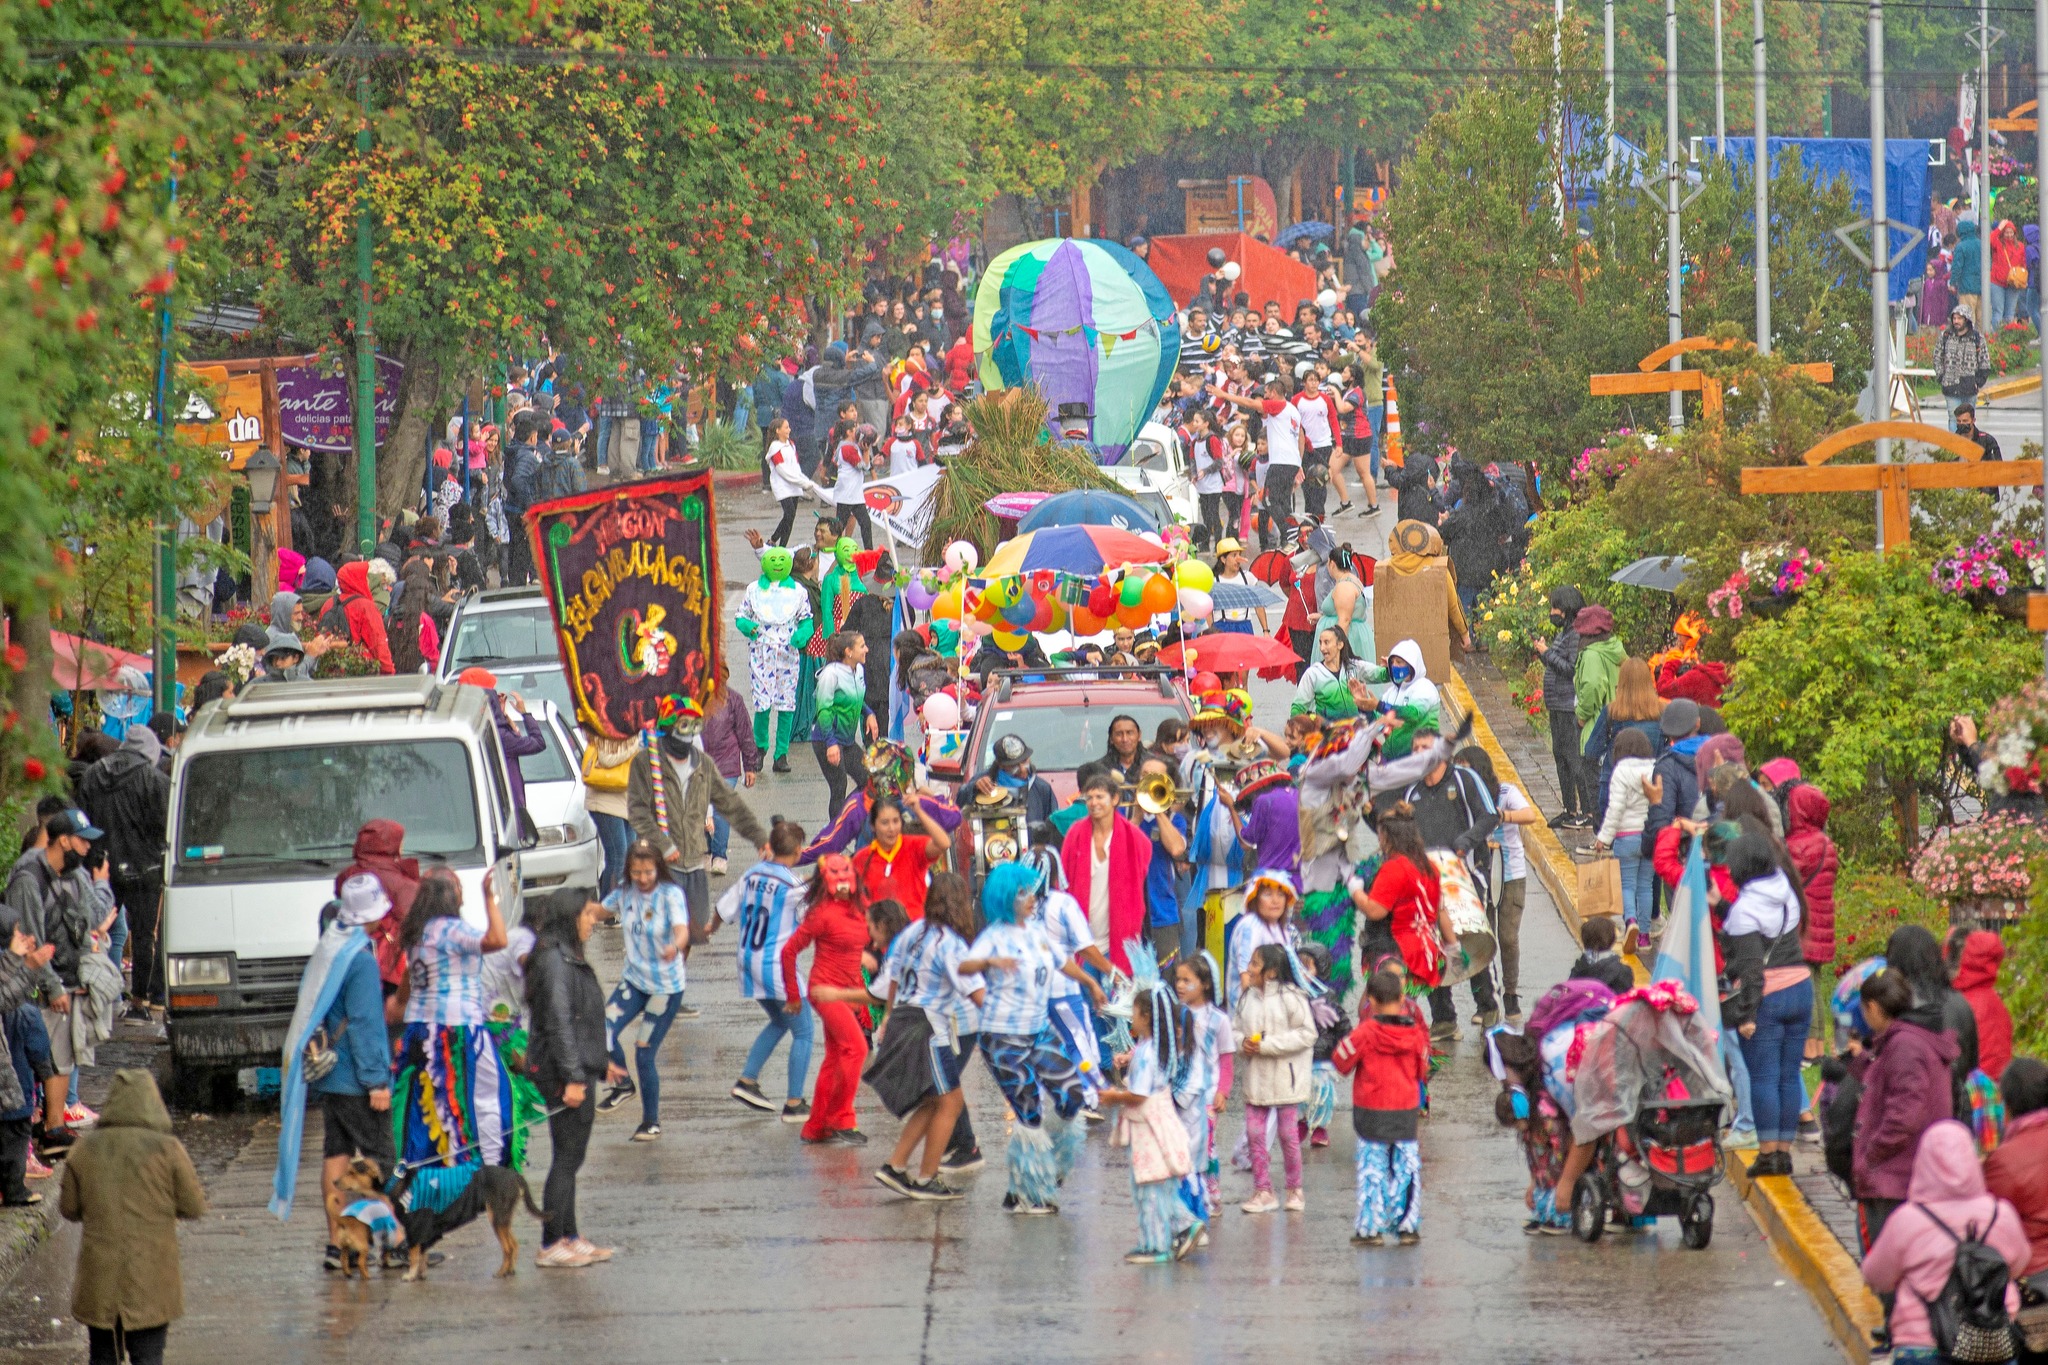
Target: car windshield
<point>1062,738</point>
<point>551,764</point>
<point>525,632</point>
<point>264,806</point>
<point>538,684</point>
<point>1149,455</point>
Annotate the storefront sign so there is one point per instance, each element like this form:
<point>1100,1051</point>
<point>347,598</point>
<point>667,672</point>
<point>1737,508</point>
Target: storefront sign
<point>316,410</point>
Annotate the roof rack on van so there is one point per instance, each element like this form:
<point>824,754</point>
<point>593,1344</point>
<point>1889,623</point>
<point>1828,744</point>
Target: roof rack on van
<point>1007,678</point>
<point>409,691</point>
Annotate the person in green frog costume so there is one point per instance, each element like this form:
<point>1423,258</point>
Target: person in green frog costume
<point>775,616</point>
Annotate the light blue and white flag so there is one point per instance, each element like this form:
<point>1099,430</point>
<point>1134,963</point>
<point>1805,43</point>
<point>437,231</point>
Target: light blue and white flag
<point>1685,953</point>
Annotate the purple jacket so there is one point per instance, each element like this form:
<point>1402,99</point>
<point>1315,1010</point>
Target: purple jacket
<point>1907,1088</point>
<point>729,738</point>
<point>517,738</point>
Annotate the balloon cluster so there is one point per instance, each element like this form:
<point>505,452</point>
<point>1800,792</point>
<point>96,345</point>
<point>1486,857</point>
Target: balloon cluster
<point>1011,608</point>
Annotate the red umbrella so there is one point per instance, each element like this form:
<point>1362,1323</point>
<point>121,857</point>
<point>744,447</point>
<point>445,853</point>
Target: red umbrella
<point>1225,652</point>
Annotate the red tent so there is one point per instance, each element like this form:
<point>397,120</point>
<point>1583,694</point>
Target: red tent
<point>1268,273</point>
<point>81,665</point>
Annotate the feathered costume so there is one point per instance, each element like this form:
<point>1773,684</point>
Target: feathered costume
<point>1334,838</point>
<point>1174,1207</point>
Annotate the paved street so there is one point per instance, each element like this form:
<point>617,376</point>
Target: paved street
<point>737,1243</point>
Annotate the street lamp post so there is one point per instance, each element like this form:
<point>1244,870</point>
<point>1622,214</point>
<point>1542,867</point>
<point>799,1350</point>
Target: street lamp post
<point>1763,196</point>
<point>1880,246</point>
<point>1674,241</point>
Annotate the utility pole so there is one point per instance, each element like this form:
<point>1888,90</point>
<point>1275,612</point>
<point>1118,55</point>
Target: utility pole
<point>164,649</point>
<point>1763,195</point>
<point>366,341</point>
<point>1607,74</point>
<point>1980,184</point>
<point>1674,241</point>
<point>1557,110</point>
<point>1720,89</point>
<point>1827,92</point>
<point>1880,249</point>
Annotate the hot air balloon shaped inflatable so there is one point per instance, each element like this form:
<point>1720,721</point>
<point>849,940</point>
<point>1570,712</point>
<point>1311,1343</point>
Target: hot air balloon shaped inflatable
<point>1089,325</point>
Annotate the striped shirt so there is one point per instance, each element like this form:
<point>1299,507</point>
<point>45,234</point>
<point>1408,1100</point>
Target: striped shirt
<point>924,966</point>
<point>768,903</point>
<point>1065,923</point>
<point>650,920</point>
<point>1205,1065</point>
<point>447,973</point>
<point>1017,996</point>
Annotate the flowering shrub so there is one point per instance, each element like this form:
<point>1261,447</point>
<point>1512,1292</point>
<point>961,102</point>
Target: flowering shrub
<point>348,661</point>
<point>1608,462</point>
<point>1986,858</point>
<point>1528,694</point>
<point>1995,565</point>
<point>2015,736</point>
<point>1775,571</point>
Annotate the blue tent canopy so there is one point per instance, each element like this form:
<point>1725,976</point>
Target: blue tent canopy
<point>1906,186</point>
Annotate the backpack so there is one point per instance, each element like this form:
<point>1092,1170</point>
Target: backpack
<point>1968,1318</point>
<point>560,477</point>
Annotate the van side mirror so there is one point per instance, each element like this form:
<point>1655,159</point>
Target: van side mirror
<point>529,833</point>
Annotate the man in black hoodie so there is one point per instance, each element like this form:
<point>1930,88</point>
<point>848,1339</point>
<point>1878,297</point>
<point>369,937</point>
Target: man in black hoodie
<point>522,490</point>
<point>129,796</point>
<point>1560,658</point>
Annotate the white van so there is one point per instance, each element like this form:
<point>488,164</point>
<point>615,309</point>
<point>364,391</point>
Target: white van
<point>267,793</point>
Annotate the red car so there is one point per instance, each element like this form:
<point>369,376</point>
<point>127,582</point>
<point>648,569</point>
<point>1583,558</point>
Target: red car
<point>1064,714</point>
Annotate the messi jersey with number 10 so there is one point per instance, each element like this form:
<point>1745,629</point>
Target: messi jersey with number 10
<point>1017,996</point>
<point>771,902</point>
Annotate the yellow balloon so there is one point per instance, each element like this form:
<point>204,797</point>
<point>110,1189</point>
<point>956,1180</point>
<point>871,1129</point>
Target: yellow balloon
<point>1006,641</point>
<point>1193,573</point>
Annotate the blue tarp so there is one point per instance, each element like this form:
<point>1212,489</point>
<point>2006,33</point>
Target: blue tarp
<point>1906,185</point>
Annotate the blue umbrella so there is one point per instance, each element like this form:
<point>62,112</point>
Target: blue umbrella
<point>1245,597</point>
<point>1297,231</point>
<point>1089,507</point>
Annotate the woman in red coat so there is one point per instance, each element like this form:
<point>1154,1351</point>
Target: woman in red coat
<point>835,924</point>
<point>1974,956</point>
<point>1814,859</point>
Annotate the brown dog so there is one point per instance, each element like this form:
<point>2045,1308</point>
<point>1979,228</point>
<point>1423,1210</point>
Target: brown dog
<point>360,1180</point>
<point>498,1189</point>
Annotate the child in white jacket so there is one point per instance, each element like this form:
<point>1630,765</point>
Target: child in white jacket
<point>1279,1037</point>
<point>1631,792</point>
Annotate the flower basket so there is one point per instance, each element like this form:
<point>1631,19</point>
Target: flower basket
<point>1980,868</point>
<point>2015,741</point>
<point>1993,574</point>
<point>2012,605</point>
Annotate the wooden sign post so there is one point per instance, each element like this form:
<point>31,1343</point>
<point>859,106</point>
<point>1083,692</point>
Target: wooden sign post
<point>1652,377</point>
<point>1895,483</point>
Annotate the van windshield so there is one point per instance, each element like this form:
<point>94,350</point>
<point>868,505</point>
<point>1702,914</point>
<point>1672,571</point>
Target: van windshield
<point>483,637</point>
<point>269,806</point>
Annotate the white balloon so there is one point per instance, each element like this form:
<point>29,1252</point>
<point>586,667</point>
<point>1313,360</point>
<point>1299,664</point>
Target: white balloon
<point>1231,270</point>
<point>941,712</point>
<point>1327,299</point>
<point>961,556</point>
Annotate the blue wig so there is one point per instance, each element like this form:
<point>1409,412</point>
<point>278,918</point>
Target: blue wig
<point>1006,881</point>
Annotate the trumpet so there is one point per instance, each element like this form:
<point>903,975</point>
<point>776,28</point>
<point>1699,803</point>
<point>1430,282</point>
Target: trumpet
<point>1157,793</point>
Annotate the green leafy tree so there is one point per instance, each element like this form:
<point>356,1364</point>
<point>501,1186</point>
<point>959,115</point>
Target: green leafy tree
<point>1859,678</point>
<point>90,139</point>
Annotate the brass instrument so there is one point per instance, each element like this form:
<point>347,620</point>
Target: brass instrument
<point>1157,793</point>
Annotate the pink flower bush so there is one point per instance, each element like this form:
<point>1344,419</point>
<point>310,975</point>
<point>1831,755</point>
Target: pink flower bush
<point>1995,565</point>
<point>1986,858</point>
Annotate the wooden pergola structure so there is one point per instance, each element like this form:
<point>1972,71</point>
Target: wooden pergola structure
<point>1650,376</point>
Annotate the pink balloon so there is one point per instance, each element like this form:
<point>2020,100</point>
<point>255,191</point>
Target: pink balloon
<point>980,627</point>
<point>941,712</point>
<point>1195,604</point>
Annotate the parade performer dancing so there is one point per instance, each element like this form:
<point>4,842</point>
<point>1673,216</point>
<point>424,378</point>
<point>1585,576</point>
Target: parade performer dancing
<point>1017,961</point>
<point>1155,1070</point>
<point>454,1102</point>
<point>1334,837</point>
<point>775,616</point>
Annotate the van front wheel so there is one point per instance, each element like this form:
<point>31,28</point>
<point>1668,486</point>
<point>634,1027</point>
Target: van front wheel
<point>202,1089</point>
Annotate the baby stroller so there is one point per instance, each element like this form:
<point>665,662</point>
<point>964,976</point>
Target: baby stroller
<point>1650,1090</point>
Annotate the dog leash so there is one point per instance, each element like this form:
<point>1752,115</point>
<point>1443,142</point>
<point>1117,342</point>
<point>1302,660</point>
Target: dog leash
<point>402,1168</point>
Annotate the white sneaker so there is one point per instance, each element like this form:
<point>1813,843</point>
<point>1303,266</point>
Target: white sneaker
<point>1262,1202</point>
<point>563,1255</point>
<point>592,1250</point>
<point>718,866</point>
<point>1295,1203</point>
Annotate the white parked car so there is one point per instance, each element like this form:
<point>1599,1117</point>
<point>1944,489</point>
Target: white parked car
<point>568,853</point>
<point>509,632</point>
<point>1154,473</point>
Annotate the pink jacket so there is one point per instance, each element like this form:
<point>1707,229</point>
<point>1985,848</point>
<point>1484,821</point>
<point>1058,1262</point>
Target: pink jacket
<point>1130,858</point>
<point>1912,1256</point>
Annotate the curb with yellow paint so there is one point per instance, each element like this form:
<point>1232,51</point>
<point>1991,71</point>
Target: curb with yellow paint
<point>1807,1246</point>
<point>1814,1255</point>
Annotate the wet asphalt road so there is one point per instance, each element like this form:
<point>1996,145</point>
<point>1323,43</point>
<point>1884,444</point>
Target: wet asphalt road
<point>738,1243</point>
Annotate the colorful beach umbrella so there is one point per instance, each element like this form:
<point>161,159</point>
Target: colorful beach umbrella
<point>1072,549</point>
<point>1013,506</point>
<point>1083,321</point>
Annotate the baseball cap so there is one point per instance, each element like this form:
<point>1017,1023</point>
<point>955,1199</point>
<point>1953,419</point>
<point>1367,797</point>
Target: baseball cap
<point>1681,717</point>
<point>74,821</point>
<point>1229,545</point>
<point>478,677</point>
<point>1012,750</point>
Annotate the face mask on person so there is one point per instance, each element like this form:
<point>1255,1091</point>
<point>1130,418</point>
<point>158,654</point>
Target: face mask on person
<point>1557,619</point>
<point>1400,672</point>
<point>1007,778</point>
<point>72,860</point>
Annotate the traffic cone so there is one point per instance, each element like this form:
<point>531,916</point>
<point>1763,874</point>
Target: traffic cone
<point>1390,446</point>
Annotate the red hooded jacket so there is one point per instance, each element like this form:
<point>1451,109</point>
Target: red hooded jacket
<point>1813,854</point>
<point>1387,1060</point>
<point>379,845</point>
<point>1977,978</point>
<point>365,622</point>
